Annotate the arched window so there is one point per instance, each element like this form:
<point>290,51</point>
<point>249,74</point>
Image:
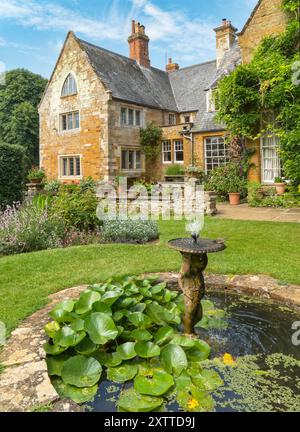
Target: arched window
<point>70,86</point>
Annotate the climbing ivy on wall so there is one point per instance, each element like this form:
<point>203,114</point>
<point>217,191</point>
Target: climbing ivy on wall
<point>270,84</point>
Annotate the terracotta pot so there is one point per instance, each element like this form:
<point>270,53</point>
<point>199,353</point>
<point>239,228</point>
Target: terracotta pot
<point>280,188</point>
<point>36,181</point>
<point>234,198</point>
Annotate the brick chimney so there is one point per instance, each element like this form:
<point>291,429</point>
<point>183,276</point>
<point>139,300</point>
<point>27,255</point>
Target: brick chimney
<point>172,67</point>
<point>225,38</point>
<point>139,45</point>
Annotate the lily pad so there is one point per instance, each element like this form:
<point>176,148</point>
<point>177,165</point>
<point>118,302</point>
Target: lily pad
<point>78,395</point>
<point>100,328</point>
<point>147,349</point>
<point>199,352</point>
<point>140,320</point>
<point>86,301</point>
<point>141,335</point>
<point>131,401</point>
<point>193,399</point>
<point>86,347</point>
<point>155,383</point>
<point>81,371</point>
<point>210,380</point>
<point>107,359</point>
<point>67,337</point>
<point>54,349</point>
<point>160,315</point>
<point>174,359</point>
<point>184,341</point>
<point>110,297</point>
<point>126,351</point>
<point>163,335</point>
<point>123,373</point>
<point>61,312</point>
<point>100,306</point>
<point>77,324</point>
<point>55,364</point>
<point>51,329</point>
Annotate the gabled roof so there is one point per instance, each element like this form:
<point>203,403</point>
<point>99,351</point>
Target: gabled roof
<point>250,18</point>
<point>129,81</point>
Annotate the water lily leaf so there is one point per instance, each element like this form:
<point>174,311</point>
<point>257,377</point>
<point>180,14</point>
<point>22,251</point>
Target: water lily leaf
<point>131,401</point>
<point>211,323</point>
<point>100,306</point>
<point>126,351</point>
<point>173,359</point>
<point>54,349</point>
<point>77,325</point>
<point>67,337</point>
<point>55,364</point>
<point>156,383</point>
<point>110,297</point>
<point>86,347</point>
<point>184,341</point>
<point>86,301</point>
<point>81,371</point>
<point>123,373</point>
<point>61,312</point>
<point>145,291</point>
<point>51,329</point>
<point>156,289</point>
<point>119,315</point>
<point>163,335</point>
<point>199,352</point>
<point>138,308</point>
<point>183,381</point>
<point>193,399</point>
<point>147,349</point>
<point>210,380</point>
<point>107,359</point>
<point>100,328</point>
<point>161,315</point>
<point>139,320</point>
<point>78,395</point>
<point>141,335</point>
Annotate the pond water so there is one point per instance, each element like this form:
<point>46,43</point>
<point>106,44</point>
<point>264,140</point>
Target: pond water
<point>266,374</point>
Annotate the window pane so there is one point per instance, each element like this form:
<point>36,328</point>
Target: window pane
<point>64,122</point>
<point>76,116</point>
<point>216,153</point>
<point>179,155</point>
<point>138,118</point>
<point>65,167</point>
<point>70,121</point>
<point>69,87</point>
<point>123,116</point>
<point>124,159</point>
<point>71,166</point>
<point>78,166</point>
<point>138,162</point>
<point>187,119</point>
<point>131,160</point>
<point>130,117</point>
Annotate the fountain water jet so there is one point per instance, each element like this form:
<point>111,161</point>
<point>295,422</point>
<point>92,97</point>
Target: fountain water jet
<point>191,280</point>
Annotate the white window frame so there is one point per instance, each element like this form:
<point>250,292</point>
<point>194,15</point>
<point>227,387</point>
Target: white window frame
<point>173,121</point>
<point>134,125</point>
<point>69,93</point>
<point>275,165</point>
<point>164,152</point>
<point>60,167</point>
<point>211,157</point>
<point>176,142</point>
<point>134,169</point>
<point>76,129</point>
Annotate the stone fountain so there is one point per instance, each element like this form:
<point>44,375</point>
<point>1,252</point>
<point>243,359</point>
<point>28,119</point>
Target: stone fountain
<point>191,280</point>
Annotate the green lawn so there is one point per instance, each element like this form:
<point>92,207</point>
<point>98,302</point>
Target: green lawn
<point>252,247</point>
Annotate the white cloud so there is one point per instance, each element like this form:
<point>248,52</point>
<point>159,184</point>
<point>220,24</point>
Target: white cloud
<point>171,32</point>
<point>2,42</point>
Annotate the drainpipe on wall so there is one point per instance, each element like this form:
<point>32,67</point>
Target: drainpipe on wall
<point>190,138</point>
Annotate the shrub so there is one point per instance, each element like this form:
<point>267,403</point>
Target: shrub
<point>264,196</point>
<point>130,231</point>
<point>36,174</point>
<point>52,186</point>
<point>29,228</point>
<point>12,173</point>
<point>76,205</point>
<point>227,179</point>
<point>175,170</point>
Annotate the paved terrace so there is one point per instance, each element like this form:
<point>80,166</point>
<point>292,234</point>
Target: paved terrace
<point>244,212</point>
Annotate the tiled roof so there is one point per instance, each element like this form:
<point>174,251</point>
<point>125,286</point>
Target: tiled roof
<point>183,90</point>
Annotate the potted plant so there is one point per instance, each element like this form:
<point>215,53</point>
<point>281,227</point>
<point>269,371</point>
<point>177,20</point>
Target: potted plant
<point>235,184</point>
<point>280,185</point>
<point>194,172</point>
<point>36,175</point>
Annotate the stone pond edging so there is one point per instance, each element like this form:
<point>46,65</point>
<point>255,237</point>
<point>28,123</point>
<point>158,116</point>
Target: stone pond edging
<point>25,384</point>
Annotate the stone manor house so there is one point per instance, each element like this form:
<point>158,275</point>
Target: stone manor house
<point>97,101</point>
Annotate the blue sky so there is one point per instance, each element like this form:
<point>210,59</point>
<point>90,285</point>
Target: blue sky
<point>32,31</point>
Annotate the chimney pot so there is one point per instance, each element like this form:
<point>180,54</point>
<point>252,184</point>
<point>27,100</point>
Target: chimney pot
<point>133,26</point>
<point>139,45</point>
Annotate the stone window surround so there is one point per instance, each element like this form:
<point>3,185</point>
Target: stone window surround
<point>172,119</point>
<point>206,157</point>
<point>135,110</point>
<point>59,160</point>
<point>68,131</point>
<point>173,151</point>
<point>132,170</point>
<point>72,75</point>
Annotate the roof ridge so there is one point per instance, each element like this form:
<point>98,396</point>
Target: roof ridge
<point>195,65</point>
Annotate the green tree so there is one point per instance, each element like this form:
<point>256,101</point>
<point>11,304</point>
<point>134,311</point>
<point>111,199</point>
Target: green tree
<point>19,98</point>
<point>12,170</point>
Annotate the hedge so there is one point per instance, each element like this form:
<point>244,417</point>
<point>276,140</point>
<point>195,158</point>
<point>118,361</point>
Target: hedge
<point>12,173</point>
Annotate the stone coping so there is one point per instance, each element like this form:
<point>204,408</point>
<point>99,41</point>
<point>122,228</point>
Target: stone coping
<point>25,384</point>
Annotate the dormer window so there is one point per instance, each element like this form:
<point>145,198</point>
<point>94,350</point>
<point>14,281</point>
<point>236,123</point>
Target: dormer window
<point>212,100</point>
<point>69,87</point>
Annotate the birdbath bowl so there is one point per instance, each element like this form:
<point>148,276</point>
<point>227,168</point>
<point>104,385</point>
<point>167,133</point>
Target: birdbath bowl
<point>191,280</point>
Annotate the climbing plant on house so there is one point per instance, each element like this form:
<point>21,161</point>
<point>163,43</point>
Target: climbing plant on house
<point>150,139</point>
<point>268,84</point>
